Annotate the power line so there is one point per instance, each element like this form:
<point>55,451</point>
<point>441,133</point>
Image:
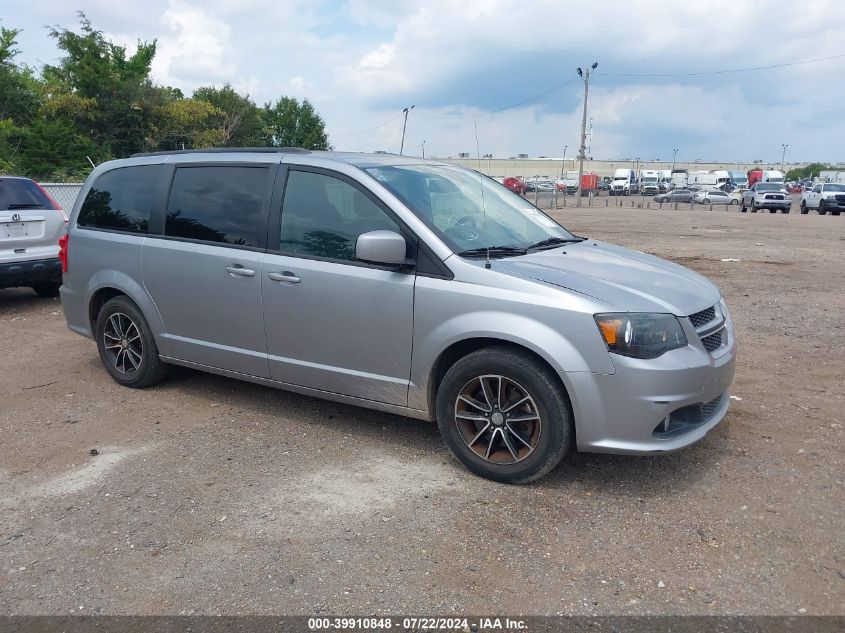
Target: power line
<point>372,129</point>
<point>510,107</point>
<point>724,72</point>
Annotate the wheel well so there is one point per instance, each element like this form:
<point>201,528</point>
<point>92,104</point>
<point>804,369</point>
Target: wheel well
<point>456,351</point>
<point>98,301</point>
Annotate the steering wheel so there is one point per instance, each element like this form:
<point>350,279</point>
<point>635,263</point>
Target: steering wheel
<point>461,233</point>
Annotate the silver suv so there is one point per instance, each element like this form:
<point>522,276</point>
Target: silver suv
<point>398,284</point>
<point>31,224</point>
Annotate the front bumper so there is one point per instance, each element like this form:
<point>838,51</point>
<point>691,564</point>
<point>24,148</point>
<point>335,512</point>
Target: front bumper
<point>623,412</point>
<point>27,273</point>
<point>773,204</point>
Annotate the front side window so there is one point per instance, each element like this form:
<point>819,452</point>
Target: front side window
<point>467,210</point>
<point>323,216</point>
<point>121,199</point>
<point>222,204</point>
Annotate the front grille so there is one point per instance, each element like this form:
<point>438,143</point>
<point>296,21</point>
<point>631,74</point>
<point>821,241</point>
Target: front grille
<point>840,199</point>
<point>688,418</point>
<point>702,318</point>
<point>712,342</point>
<point>774,196</point>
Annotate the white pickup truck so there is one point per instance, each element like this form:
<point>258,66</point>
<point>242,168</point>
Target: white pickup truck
<point>766,195</point>
<point>824,197</point>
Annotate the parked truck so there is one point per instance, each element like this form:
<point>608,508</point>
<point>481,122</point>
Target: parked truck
<point>773,175</point>
<point>680,179</point>
<point>824,197</point>
<point>754,176</point>
<point>649,182</point>
<point>738,179</point>
<point>589,184</point>
<point>624,182</point>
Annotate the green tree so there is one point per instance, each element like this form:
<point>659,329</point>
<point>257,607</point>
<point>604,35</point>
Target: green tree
<point>238,121</point>
<point>120,102</point>
<point>20,95</point>
<point>809,171</point>
<point>288,123</point>
<point>51,150</point>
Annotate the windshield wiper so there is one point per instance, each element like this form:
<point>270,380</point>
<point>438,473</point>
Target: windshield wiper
<point>495,251</point>
<point>24,205</point>
<point>554,241</point>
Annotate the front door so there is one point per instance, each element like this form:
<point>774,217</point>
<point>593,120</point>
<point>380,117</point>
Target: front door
<point>333,323</point>
<point>204,273</point>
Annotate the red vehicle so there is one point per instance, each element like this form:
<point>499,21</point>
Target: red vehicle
<point>589,183</point>
<point>516,184</point>
<point>754,176</point>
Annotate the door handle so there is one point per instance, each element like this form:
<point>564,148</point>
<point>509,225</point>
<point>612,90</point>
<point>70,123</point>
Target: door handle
<point>237,269</point>
<point>286,277</point>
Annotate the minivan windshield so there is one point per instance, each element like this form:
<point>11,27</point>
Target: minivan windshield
<point>469,211</point>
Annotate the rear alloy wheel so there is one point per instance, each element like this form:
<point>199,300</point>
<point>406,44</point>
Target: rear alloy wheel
<point>504,415</point>
<point>126,344</point>
<point>47,289</point>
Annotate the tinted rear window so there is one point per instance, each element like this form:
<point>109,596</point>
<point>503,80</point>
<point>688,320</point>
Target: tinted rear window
<point>219,204</point>
<point>121,199</point>
<point>20,193</point>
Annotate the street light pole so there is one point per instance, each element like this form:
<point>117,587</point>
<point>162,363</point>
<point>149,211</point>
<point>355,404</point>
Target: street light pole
<point>674,154</point>
<point>783,156</point>
<point>423,148</point>
<point>404,125</point>
<point>581,155</point>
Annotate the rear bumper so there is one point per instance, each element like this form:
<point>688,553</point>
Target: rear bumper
<point>31,272</point>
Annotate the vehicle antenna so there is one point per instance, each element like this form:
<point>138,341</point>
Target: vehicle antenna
<point>483,206</point>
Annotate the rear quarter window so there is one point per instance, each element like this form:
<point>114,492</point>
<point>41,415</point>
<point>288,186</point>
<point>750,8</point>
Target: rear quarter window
<point>121,199</point>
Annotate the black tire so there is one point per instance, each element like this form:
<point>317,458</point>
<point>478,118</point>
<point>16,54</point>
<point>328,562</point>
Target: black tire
<point>787,210</point>
<point>822,210</point>
<point>122,327</point>
<point>753,207</point>
<point>834,212</point>
<point>550,434</point>
<point>48,289</point>
<point>742,207</point>
<point>804,209</point>
<point>773,210</point>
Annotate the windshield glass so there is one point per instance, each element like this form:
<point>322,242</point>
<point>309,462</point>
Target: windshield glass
<point>449,201</point>
<point>834,187</point>
<point>769,187</point>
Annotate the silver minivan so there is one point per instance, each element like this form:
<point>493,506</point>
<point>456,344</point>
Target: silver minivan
<point>399,284</point>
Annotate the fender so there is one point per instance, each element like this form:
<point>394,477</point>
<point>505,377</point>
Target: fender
<point>132,289</point>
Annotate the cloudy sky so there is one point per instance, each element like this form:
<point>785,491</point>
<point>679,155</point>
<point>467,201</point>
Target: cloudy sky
<point>360,62</point>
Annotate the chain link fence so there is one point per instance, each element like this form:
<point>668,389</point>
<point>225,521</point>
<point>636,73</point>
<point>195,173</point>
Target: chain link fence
<point>560,200</point>
<point>64,193</point>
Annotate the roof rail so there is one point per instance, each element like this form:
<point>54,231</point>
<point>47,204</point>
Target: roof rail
<point>227,150</point>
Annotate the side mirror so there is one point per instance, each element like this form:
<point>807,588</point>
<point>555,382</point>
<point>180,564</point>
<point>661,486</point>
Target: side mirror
<point>381,247</point>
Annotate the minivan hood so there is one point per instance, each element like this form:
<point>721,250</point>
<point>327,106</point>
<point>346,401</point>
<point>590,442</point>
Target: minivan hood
<point>629,280</point>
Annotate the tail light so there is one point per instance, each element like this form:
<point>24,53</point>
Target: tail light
<point>63,244</point>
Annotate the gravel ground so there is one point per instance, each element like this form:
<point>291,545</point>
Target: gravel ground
<point>210,496</point>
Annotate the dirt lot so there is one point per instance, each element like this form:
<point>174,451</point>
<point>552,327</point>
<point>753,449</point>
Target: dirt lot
<point>211,496</point>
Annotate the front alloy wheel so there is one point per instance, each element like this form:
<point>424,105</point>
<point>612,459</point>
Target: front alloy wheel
<point>504,414</point>
<point>497,419</point>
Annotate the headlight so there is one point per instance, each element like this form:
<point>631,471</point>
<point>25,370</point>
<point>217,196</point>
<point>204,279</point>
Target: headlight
<point>640,335</point>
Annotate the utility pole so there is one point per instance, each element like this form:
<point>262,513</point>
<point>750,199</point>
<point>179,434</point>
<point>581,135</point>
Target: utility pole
<point>783,157</point>
<point>404,126</point>
<point>674,154</point>
<point>563,162</point>
<point>423,148</point>
<point>581,156</point>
